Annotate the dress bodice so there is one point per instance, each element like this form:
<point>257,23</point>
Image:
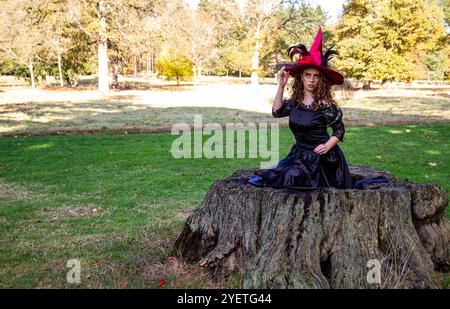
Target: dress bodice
<point>309,126</point>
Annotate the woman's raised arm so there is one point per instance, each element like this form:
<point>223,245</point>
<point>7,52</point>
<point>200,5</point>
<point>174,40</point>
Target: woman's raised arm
<point>282,77</point>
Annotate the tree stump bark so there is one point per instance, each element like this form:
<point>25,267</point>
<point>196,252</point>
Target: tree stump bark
<point>327,238</point>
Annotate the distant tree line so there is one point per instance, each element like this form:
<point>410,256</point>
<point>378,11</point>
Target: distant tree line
<point>388,40</point>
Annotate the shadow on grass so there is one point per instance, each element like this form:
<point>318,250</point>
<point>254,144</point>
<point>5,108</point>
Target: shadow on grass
<point>124,87</point>
<point>124,116</point>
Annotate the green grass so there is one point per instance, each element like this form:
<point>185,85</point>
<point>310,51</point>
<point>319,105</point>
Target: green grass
<point>117,202</point>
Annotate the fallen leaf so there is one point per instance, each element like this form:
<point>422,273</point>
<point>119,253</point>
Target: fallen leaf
<point>161,283</point>
<point>123,284</point>
<point>93,264</point>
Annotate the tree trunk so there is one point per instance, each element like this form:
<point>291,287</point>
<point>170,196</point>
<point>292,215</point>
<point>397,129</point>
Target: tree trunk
<point>103,83</point>
<point>152,62</point>
<point>255,57</point>
<point>391,235</point>
<point>33,81</point>
<point>194,71</point>
<point>115,73</point>
<point>366,85</point>
<point>61,81</point>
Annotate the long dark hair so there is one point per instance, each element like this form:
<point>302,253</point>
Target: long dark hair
<point>323,95</point>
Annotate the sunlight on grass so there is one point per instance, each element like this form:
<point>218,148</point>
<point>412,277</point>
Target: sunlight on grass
<point>433,152</point>
<point>395,132</point>
<point>41,146</point>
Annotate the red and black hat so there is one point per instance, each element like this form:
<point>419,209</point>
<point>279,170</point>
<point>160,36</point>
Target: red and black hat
<point>314,59</point>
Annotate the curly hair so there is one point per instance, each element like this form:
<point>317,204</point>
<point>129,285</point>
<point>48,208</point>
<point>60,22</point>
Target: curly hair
<point>323,95</point>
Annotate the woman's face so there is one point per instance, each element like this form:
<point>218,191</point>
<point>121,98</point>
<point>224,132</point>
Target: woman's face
<point>310,78</point>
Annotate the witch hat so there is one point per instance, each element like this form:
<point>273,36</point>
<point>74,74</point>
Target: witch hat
<point>314,59</point>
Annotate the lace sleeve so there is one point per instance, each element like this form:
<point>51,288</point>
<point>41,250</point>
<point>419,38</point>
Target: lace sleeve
<point>334,117</point>
<point>284,110</point>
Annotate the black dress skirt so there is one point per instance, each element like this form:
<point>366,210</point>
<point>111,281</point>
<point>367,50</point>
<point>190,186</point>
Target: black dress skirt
<point>302,168</point>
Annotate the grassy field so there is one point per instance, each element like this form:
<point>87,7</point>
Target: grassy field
<point>59,112</point>
<point>117,202</point>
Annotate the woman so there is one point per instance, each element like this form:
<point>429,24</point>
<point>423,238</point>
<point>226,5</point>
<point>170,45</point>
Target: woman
<point>315,160</point>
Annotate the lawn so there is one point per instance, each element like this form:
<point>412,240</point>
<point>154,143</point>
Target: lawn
<point>117,202</point>
<point>42,112</point>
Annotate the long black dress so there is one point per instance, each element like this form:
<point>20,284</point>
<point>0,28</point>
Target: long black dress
<point>302,168</point>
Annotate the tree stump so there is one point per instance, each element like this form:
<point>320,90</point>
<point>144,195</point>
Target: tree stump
<point>327,238</point>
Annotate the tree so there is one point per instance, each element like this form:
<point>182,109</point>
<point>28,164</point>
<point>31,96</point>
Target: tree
<point>252,20</point>
<point>174,66</point>
<point>105,21</point>
<point>20,38</point>
<point>230,31</point>
<point>79,58</point>
<point>326,238</point>
<point>191,32</point>
<point>57,20</point>
<point>239,57</point>
<point>382,40</point>
<point>445,4</point>
<point>291,22</point>
<point>294,23</point>
<point>259,13</point>
<point>437,64</point>
<point>355,39</point>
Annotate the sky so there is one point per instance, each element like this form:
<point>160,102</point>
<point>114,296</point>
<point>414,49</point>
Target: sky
<point>333,8</point>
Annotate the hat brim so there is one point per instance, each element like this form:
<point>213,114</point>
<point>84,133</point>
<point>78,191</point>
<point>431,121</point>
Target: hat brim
<point>333,76</point>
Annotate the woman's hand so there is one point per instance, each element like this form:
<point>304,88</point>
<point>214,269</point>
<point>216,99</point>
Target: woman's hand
<point>282,77</point>
<point>322,149</point>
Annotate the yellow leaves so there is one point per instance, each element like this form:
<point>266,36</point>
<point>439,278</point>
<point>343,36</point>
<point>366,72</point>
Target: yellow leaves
<point>385,36</point>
